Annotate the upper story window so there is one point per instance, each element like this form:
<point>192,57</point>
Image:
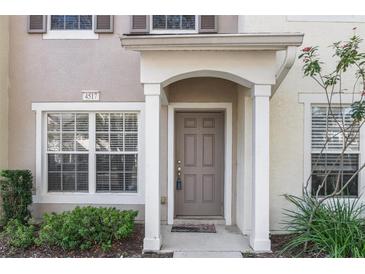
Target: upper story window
<point>174,24</point>
<point>71,22</point>
<point>70,27</point>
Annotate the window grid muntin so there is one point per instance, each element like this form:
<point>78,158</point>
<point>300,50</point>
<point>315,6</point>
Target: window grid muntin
<point>332,145</point>
<point>123,152</point>
<point>63,20</point>
<point>353,149</point>
<point>165,21</point>
<point>61,131</point>
<point>72,153</point>
<point>124,132</point>
<point>76,172</point>
<point>92,131</point>
<point>111,172</point>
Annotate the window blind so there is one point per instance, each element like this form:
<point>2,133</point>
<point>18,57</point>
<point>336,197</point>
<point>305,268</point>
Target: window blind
<point>325,126</point>
<point>117,149</point>
<point>67,136</point>
<point>331,166</point>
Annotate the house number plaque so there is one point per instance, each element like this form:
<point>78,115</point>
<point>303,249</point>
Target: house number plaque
<point>90,95</point>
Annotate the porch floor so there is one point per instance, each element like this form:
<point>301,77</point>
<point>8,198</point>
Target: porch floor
<point>228,242</point>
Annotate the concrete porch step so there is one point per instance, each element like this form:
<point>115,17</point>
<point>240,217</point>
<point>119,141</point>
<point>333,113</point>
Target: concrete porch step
<point>207,254</point>
<point>199,220</point>
<point>228,241</point>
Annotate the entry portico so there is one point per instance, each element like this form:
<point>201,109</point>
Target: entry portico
<point>256,62</point>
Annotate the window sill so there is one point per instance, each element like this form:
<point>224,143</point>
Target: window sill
<point>174,31</point>
<point>70,35</point>
<point>88,198</point>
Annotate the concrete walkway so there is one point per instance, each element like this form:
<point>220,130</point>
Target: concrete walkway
<point>228,242</point>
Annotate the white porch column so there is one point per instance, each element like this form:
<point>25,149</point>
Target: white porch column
<point>259,238</point>
<point>152,240</point>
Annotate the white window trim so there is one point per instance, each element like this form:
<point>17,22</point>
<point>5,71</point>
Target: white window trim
<point>174,31</point>
<point>92,197</point>
<point>326,18</point>
<point>70,34</point>
<point>309,99</point>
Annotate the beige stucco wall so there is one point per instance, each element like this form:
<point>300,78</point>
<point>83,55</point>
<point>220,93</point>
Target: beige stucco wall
<point>4,86</point>
<point>189,90</point>
<point>57,70</point>
<point>286,114</point>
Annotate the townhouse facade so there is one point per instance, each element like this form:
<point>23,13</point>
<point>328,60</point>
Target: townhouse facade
<point>171,115</point>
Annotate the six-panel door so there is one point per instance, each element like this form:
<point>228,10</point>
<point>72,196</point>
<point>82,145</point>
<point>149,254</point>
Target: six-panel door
<point>200,151</point>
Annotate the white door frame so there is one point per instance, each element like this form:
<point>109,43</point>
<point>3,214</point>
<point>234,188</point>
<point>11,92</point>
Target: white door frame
<point>172,108</point>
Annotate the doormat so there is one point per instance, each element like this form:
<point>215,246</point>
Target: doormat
<point>194,228</point>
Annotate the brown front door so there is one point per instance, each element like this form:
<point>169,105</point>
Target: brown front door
<point>199,154</point>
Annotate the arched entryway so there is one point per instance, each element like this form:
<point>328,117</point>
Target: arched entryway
<point>202,127</point>
<point>249,60</point>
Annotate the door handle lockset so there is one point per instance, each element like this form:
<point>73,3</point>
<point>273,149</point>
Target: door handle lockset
<point>178,177</point>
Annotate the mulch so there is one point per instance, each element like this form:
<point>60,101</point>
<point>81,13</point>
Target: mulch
<point>277,244</point>
<point>127,248</point>
<point>132,248</point>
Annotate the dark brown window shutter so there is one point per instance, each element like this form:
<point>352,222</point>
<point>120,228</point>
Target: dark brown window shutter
<point>208,24</point>
<point>139,24</point>
<point>104,24</point>
<point>37,23</point>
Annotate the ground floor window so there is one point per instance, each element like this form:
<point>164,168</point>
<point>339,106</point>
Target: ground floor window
<point>332,165</point>
<point>92,149</point>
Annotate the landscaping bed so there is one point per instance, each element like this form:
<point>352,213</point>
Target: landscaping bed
<point>129,247</point>
<point>277,244</point>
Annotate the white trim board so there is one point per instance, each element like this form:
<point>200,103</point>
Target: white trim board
<point>227,107</point>
<point>42,196</point>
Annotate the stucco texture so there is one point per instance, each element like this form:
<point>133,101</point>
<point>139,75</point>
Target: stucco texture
<point>4,85</point>
<point>286,113</point>
<point>57,70</point>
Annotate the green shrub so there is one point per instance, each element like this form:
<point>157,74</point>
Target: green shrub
<point>20,235</point>
<point>336,229</point>
<point>16,192</point>
<point>85,227</point>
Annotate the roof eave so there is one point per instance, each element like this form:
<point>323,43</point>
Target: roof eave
<point>242,41</point>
